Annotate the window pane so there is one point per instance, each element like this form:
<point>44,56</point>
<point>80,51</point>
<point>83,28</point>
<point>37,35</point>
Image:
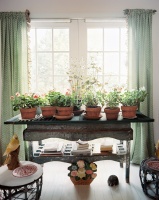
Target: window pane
<point>111,65</point>
<point>61,39</point>
<point>112,81</point>
<point>97,59</point>
<point>123,64</point>
<point>111,39</point>
<point>61,84</point>
<point>44,39</point>
<point>61,62</point>
<point>32,36</point>
<point>123,39</point>
<point>44,72</point>
<point>95,39</point>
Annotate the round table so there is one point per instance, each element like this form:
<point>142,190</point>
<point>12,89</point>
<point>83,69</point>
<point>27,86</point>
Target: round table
<point>24,187</point>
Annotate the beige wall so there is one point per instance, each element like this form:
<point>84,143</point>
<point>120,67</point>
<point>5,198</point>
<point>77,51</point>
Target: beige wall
<point>92,9</point>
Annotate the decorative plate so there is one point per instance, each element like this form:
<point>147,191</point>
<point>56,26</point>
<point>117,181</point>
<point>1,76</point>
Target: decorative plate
<point>153,165</point>
<point>60,117</point>
<point>25,170</point>
<point>86,117</point>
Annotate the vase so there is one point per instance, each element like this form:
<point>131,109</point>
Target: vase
<point>48,111</point>
<point>28,113</point>
<point>129,112</point>
<point>64,111</point>
<point>112,113</point>
<point>93,112</point>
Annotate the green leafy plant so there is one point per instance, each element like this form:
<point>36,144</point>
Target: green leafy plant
<point>61,100</point>
<point>133,97</point>
<point>24,100</point>
<point>43,100</point>
<point>82,170</point>
<point>112,98</point>
<point>53,97</point>
<point>91,99</point>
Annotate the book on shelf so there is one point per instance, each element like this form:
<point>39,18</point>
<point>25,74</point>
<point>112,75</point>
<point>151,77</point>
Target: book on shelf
<point>99,149</point>
<point>106,147</point>
<point>54,148</point>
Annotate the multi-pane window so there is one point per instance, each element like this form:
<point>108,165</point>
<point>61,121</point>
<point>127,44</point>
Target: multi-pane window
<point>54,45</point>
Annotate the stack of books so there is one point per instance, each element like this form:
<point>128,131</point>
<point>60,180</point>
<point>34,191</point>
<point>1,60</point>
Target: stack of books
<point>53,148</point>
<point>81,148</point>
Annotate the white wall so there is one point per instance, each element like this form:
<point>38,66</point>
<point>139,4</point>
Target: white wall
<point>92,9</point>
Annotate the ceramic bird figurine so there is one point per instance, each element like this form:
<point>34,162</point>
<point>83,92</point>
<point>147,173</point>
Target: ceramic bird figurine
<point>12,152</point>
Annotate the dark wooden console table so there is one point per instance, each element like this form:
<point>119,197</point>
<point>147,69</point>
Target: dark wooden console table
<point>79,128</point>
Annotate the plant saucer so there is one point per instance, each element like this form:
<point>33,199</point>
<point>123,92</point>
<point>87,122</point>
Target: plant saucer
<point>60,117</point>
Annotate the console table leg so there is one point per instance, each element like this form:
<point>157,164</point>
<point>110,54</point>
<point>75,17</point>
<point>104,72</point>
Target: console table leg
<point>30,150</point>
<point>127,161</point>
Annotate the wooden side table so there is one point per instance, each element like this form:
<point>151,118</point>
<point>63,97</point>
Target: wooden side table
<point>27,187</point>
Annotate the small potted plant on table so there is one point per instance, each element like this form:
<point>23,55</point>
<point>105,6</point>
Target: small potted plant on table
<point>91,100</point>
<point>130,100</point>
<point>47,105</point>
<point>27,104</point>
<point>64,106</point>
<point>112,104</point>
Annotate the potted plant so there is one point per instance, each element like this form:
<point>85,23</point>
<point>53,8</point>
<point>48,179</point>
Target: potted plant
<point>112,104</point>
<point>82,172</point>
<point>83,77</point>
<point>26,103</point>
<point>64,105</point>
<point>92,101</point>
<point>77,103</point>
<point>130,100</point>
<point>47,108</point>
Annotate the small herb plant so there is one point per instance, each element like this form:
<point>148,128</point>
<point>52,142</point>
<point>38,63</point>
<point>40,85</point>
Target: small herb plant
<point>133,97</point>
<point>112,98</point>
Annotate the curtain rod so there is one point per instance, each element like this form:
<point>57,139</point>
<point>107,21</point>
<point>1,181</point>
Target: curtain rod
<point>68,20</point>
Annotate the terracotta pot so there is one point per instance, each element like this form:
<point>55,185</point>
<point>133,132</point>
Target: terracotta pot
<point>81,181</point>
<point>129,112</point>
<point>64,111</point>
<point>93,112</point>
<point>48,111</point>
<point>28,113</point>
<point>112,113</point>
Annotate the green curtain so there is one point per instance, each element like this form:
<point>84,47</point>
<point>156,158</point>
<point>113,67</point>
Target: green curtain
<point>13,72</point>
<point>139,23</point>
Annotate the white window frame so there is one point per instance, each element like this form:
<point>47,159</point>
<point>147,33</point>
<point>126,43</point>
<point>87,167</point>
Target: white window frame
<point>78,31</point>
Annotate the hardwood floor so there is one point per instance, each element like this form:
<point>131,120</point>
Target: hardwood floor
<point>57,185</point>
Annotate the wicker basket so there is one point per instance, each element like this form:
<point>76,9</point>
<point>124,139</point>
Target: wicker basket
<point>81,181</point>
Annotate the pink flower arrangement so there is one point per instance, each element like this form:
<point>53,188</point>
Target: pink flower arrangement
<point>82,170</point>
<point>25,100</point>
